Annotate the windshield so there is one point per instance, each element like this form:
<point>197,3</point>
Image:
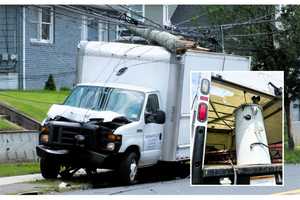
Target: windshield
<point>127,103</point>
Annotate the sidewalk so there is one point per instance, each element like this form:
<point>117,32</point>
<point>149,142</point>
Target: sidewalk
<point>19,179</point>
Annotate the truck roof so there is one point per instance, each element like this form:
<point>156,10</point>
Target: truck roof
<point>116,49</point>
<point>193,52</point>
<point>120,86</point>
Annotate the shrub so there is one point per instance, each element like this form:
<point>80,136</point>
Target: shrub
<point>50,84</point>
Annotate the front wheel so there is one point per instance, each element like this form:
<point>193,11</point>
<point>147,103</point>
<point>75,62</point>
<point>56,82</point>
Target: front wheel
<point>49,168</point>
<point>128,168</point>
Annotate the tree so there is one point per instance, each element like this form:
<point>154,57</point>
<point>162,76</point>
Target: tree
<point>50,84</point>
<point>272,47</point>
<point>289,50</point>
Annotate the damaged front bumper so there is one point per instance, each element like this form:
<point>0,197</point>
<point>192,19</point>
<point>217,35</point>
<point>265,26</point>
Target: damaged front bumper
<point>82,157</point>
<point>80,144</point>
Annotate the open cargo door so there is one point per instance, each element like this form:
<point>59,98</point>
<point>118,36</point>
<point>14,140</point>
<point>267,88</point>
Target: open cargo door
<point>219,150</point>
<point>200,106</point>
<point>227,96</point>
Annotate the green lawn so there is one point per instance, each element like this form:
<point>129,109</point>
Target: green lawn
<point>33,103</point>
<point>292,156</point>
<point>15,169</point>
<point>7,125</point>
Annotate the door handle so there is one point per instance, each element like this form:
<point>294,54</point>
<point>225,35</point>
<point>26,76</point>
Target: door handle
<point>139,130</point>
<point>160,136</point>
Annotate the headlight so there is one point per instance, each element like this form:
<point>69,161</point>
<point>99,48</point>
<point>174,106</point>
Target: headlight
<point>110,146</point>
<point>44,135</point>
<point>45,130</point>
<point>112,137</point>
<point>44,138</point>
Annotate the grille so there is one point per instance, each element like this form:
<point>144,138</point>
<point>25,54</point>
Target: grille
<point>65,136</point>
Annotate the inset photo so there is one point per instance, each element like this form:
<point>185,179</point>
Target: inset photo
<point>237,128</point>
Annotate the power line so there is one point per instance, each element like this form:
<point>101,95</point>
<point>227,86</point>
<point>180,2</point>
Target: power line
<point>156,25</point>
<point>190,19</point>
<point>71,19</point>
<point>95,15</point>
<point>194,18</point>
<point>231,25</point>
<point>207,13</point>
<point>98,18</point>
<point>254,34</point>
<point>135,13</point>
<point>223,27</point>
<point>35,77</point>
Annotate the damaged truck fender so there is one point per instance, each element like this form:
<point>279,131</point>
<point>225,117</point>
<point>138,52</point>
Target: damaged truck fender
<point>129,134</point>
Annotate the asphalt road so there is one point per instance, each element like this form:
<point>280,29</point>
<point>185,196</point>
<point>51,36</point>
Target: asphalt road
<point>182,187</point>
<point>151,181</point>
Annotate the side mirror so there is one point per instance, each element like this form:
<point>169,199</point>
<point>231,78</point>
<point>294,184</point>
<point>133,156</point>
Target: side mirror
<point>158,117</point>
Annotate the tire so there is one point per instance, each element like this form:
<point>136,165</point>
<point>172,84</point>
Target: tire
<point>128,168</point>
<point>91,172</point>
<point>49,168</point>
<point>66,175</point>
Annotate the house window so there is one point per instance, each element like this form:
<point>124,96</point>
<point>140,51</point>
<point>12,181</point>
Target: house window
<point>93,30</point>
<point>166,18</point>
<point>44,25</point>
<point>84,28</point>
<point>102,31</point>
<point>112,32</point>
<point>136,12</point>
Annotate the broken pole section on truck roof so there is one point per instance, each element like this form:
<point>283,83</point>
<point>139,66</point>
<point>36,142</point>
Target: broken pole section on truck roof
<point>173,43</point>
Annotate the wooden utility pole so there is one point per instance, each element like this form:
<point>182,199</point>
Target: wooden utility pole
<point>173,43</point>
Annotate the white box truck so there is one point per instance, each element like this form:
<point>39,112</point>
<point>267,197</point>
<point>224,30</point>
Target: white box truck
<point>237,130</point>
<point>130,109</point>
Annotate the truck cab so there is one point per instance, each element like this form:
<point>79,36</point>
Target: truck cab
<point>112,126</point>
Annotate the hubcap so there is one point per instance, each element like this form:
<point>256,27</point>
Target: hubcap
<point>133,170</point>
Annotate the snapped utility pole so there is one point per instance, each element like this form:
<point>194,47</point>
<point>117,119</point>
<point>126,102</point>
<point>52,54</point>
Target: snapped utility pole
<point>173,43</point>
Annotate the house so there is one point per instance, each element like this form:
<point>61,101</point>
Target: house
<point>190,16</point>
<point>36,41</point>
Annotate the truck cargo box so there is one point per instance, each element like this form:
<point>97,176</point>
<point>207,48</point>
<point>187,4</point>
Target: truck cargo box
<point>154,67</point>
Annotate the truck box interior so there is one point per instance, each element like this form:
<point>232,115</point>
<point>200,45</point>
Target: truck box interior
<point>225,97</point>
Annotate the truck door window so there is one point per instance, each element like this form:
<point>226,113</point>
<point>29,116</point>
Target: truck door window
<point>125,102</point>
<point>152,104</point>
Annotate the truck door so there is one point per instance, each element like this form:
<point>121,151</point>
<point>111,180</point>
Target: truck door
<point>200,106</point>
<point>153,132</point>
